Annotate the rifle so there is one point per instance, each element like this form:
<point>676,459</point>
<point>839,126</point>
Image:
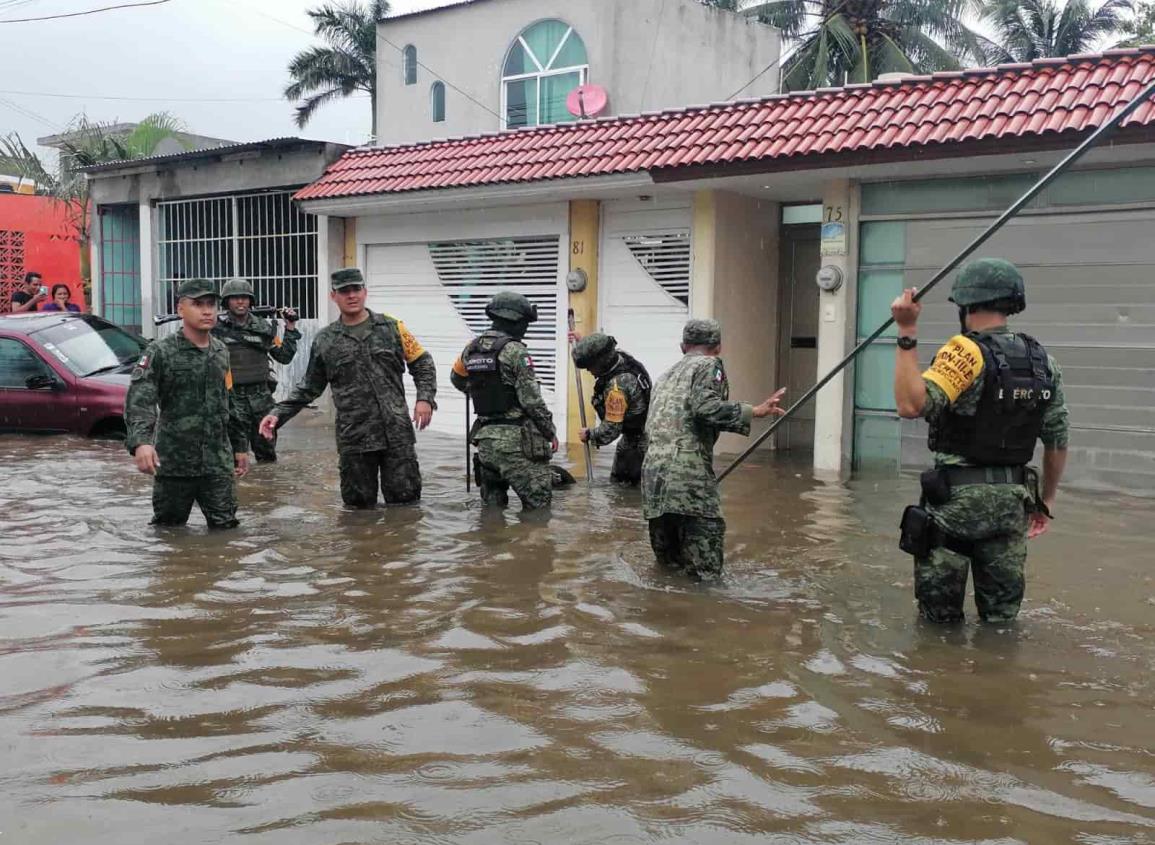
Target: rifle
<point>280,312</point>
<point>1017,206</point>
<point>468,451</point>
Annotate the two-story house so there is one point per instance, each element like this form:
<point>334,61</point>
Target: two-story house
<point>488,65</point>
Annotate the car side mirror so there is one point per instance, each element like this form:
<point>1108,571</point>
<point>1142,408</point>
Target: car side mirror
<point>43,381</point>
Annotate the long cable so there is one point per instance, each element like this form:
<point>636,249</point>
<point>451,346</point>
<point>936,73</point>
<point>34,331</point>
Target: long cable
<point>152,99</point>
<point>87,12</point>
<point>981,239</point>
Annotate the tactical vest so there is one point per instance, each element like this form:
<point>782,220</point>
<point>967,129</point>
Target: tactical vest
<point>634,424</point>
<point>1017,388</point>
<point>248,351</point>
<point>490,395</point>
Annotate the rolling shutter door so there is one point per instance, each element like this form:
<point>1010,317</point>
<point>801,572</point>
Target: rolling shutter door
<point>645,278</point>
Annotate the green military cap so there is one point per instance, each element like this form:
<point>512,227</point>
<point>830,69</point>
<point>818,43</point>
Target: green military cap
<point>592,347</point>
<point>702,333</point>
<point>345,278</point>
<point>508,305</point>
<point>988,280</point>
<point>195,289</point>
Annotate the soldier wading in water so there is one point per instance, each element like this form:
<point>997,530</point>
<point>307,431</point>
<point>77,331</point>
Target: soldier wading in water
<point>514,432</point>
<point>183,426</point>
<point>989,395</point>
<point>690,407</point>
<point>362,358</point>
<point>252,341</point>
<point>622,401</point>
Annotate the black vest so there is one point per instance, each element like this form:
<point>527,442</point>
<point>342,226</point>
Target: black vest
<point>634,424</point>
<point>491,396</point>
<point>248,350</point>
<point>1017,388</point>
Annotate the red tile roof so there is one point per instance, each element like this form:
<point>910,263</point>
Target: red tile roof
<point>1048,97</point>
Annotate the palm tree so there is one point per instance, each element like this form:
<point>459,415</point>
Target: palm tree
<point>347,65</point>
<point>1037,29</point>
<point>838,41</point>
<point>83,144</point>
<point>1140,29</point>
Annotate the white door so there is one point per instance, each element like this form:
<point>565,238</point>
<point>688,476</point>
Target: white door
<point>645,278</point>
<point>439,289</point>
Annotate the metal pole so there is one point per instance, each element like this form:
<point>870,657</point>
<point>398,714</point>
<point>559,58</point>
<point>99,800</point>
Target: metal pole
<point>581,406</point>
<point>1091,140</point>
<point>468,451</point>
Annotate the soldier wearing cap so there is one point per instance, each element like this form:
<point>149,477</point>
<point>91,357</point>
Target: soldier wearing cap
<point>689,408</point>
<point>621,399</point>
<point>514,432</point>
<point>183,426</point>
<point>252,341</point>
<point>363,357</point>
<point>989,395</point>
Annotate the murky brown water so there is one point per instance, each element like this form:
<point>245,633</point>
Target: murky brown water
<point>437,675</point>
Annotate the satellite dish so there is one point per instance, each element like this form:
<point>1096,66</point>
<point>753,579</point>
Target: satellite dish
<point>587,101</point>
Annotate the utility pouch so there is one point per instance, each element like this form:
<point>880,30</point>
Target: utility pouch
<point>935,485</point>
<point>918,534</point>
<point>533,443</point>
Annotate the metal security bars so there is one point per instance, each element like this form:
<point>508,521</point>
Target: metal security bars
<point>665,256</point>
<point>473,271</point>
<point>260,237</point>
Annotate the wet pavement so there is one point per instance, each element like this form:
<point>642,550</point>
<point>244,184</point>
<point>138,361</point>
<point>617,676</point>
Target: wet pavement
<point>444,675</point>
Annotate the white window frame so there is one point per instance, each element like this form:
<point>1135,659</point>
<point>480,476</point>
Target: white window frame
<point>541,73</point>
<point>405,51</point>
<point>433,89</point>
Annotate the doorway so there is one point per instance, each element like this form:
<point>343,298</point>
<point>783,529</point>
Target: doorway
<point>799,260</point>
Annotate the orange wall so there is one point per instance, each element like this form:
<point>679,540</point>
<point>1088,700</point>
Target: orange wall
<point>50,247</point>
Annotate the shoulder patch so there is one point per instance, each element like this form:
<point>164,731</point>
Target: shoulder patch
<point>956,366</point>
<point>409,344</point>
<point>616,405</point>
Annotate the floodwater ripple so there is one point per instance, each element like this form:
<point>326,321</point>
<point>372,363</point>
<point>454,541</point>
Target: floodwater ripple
<point>441,674</point>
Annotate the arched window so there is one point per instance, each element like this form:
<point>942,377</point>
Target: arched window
<point>437,95</point>
<point>545,63</point>
<point>409,64</point>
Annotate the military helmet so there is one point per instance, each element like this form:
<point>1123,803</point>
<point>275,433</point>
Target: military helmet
<point>507,305</point>
<point>593,347</point>
<point>238,287</point>
<point>989,280</point>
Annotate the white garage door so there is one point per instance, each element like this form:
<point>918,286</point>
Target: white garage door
<point>645,278</point>
<point>439,289</point>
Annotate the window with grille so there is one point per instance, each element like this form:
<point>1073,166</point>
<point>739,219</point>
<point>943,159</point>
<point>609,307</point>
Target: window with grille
<point>11,265</point>
<point>473,271</point>
<point>263,237</point>
<point>665,256</point>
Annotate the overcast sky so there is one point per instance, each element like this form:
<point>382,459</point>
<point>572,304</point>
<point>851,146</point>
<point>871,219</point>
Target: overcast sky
<point>174,53</point>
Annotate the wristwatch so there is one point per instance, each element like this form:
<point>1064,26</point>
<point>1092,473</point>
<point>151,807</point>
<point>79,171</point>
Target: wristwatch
<point>907,342</point>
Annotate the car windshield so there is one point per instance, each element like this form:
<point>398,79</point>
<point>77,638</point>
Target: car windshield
<point>89,345</point>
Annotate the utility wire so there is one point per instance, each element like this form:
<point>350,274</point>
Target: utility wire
<point>21,110</point>
<point>88,12</point>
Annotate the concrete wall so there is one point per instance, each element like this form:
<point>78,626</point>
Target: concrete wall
<point>236,173</point>
<point>649,54</point>
<point>735,281</point>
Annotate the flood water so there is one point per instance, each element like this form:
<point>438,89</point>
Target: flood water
<point>439,674</point>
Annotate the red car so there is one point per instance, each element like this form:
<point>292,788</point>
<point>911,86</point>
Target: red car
<point>64,372</point>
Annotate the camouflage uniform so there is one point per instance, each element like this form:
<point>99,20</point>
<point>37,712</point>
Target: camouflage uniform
<point>197,433</point>
<point>622,402</point>
<point>993,518</point>
<point>689,408</point>
<point>513,448</point>
<point>252,388</point>
<point>363,365</point>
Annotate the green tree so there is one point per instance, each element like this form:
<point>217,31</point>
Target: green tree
<point>1038,29</point>
<point>347,64</point>
<point>832,42</point>
<point>1140,28</point>
<point>83,144</point>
